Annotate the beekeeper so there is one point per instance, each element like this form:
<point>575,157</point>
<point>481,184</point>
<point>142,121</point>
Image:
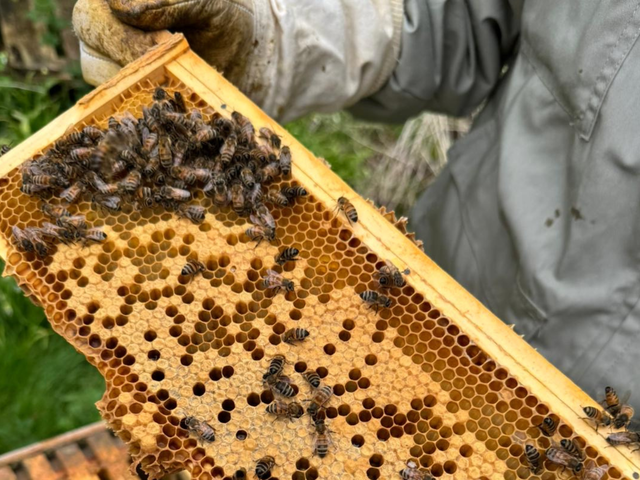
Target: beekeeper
<point>537,213</point>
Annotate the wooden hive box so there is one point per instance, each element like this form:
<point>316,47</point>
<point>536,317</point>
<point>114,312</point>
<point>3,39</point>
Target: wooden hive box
<point>435,378</point>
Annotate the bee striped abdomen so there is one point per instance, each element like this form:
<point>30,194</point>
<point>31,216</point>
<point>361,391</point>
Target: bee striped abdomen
<point>294,335</point>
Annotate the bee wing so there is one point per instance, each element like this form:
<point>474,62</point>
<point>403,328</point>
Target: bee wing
<point>624,398</point>
<point>274,275</point>
<point>256,220</point>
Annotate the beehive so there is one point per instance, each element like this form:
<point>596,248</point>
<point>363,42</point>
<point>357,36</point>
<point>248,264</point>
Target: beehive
<point>435,378</point>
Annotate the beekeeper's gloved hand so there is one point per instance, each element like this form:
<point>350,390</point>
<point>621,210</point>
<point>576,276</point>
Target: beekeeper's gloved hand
<point>290,56</point>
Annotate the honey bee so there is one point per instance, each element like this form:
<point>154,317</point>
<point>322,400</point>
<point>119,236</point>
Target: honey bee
<point>32,189</point>
<point>237,199</point>
<point>293,192</point>
<point>179,151</point>
<point>195,213</point>
<point>274,281</point>
<point>264,466</point>
<point>623,417</point>
<point>294,335</point>
<point>204,431</point>
<point>289,254</point>
<point>55,211</point>
<point>240,474</point>
<point>149,140</point>
<point>75,224</point>
<point>312,378</point>
<point>187,175</point>
<point>73,193</point>
<point>375,300</point>
<point>55,232</point>
<point>4,149</point>
<point>205,134</point>
<point>132,159</point>
<point>276,366</point>
<point>247,178</point>
<point>625,438</point>
<point>269,172</point>
<point>270,136</point>
<point>320,397</point>
<point>263,217</point>
<point>192,268</point>
<point>131,182</point>
<point>348,209</point>
<point>178,102</point>
<point>548,426</point>
<point>175,194</point>
<point>164,152</point>
<point>411,472</point>
<point>571,447</point>
<point>564,459</point>
<point>277,198</point>
<point>255,195</point>
<point>40,245</point>
<point>258,232</point>
<point>611,401</point>
<point>94,235</point>
<point>287,410</point>
<point>599,417</point>
<point>228,149</point>
<point>92,133</point>
<point>247,131</point>
<point>593,472</point>
<point>322,442</point>
<point>80,155</point>
<point>109,202</point>
<point>285,161</point>
<point>533,458</point>
<point>22,240</point>
<point>389,275</point>
<point>146,195</point>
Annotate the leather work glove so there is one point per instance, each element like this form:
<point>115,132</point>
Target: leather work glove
<point>289,57</point>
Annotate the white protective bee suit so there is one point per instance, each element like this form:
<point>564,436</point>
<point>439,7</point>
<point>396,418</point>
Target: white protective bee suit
<point>537,213</point>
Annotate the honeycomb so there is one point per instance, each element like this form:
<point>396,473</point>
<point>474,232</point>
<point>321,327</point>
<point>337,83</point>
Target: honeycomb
<point>408,384</point>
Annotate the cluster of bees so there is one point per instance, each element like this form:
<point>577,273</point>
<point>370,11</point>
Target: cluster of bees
<point>162,159</point>
<point>615,414</point>
<point>568,454</point>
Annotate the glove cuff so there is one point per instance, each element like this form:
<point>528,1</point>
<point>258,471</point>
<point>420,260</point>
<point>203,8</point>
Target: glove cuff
<point>96,68</point>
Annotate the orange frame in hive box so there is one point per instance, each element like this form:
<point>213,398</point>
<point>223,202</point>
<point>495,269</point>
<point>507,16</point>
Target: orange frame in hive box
<point>436,378</point>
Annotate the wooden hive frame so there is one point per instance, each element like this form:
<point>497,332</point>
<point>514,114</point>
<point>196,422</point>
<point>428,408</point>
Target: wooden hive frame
<point>465,425</point>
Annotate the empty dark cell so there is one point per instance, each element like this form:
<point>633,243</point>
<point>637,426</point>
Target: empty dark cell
<point>400,419</point>
<point>228,405</point>
<point>386,422</point>
<point>224,417</point>
<point>351,386</point>
<point>397,432</point>
<point>376,460</point>
<point>344,336</point>
<point>373,473</point>
<point>344,409</point>
<point>364,382</point>
<point>329,349</point>
<point>355,374</point>
<point>390,409</point>
<point>322,372</point>
<point>257,354</point>
<point>371,359</point>
<point>158,375</point>
<point>357,441</point>
<point>300,367</point>
<point>348,324</point>
<point>199,389</point>
<point>364,416</point>
<point>266,396</point>
<point>352,419</point>
<point>383,434</point>
<point>186,360</point>
<point>241,435</point>
<point>129,360</point>
<point>253,399</point>
<point>312,474</point>
<point>215,374</point>
<point>275,339</point>
<point>377,412</point>
<point>153,355</point>
<point>332,412</point>
<point>228,371</point>
<point>338,390</point>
